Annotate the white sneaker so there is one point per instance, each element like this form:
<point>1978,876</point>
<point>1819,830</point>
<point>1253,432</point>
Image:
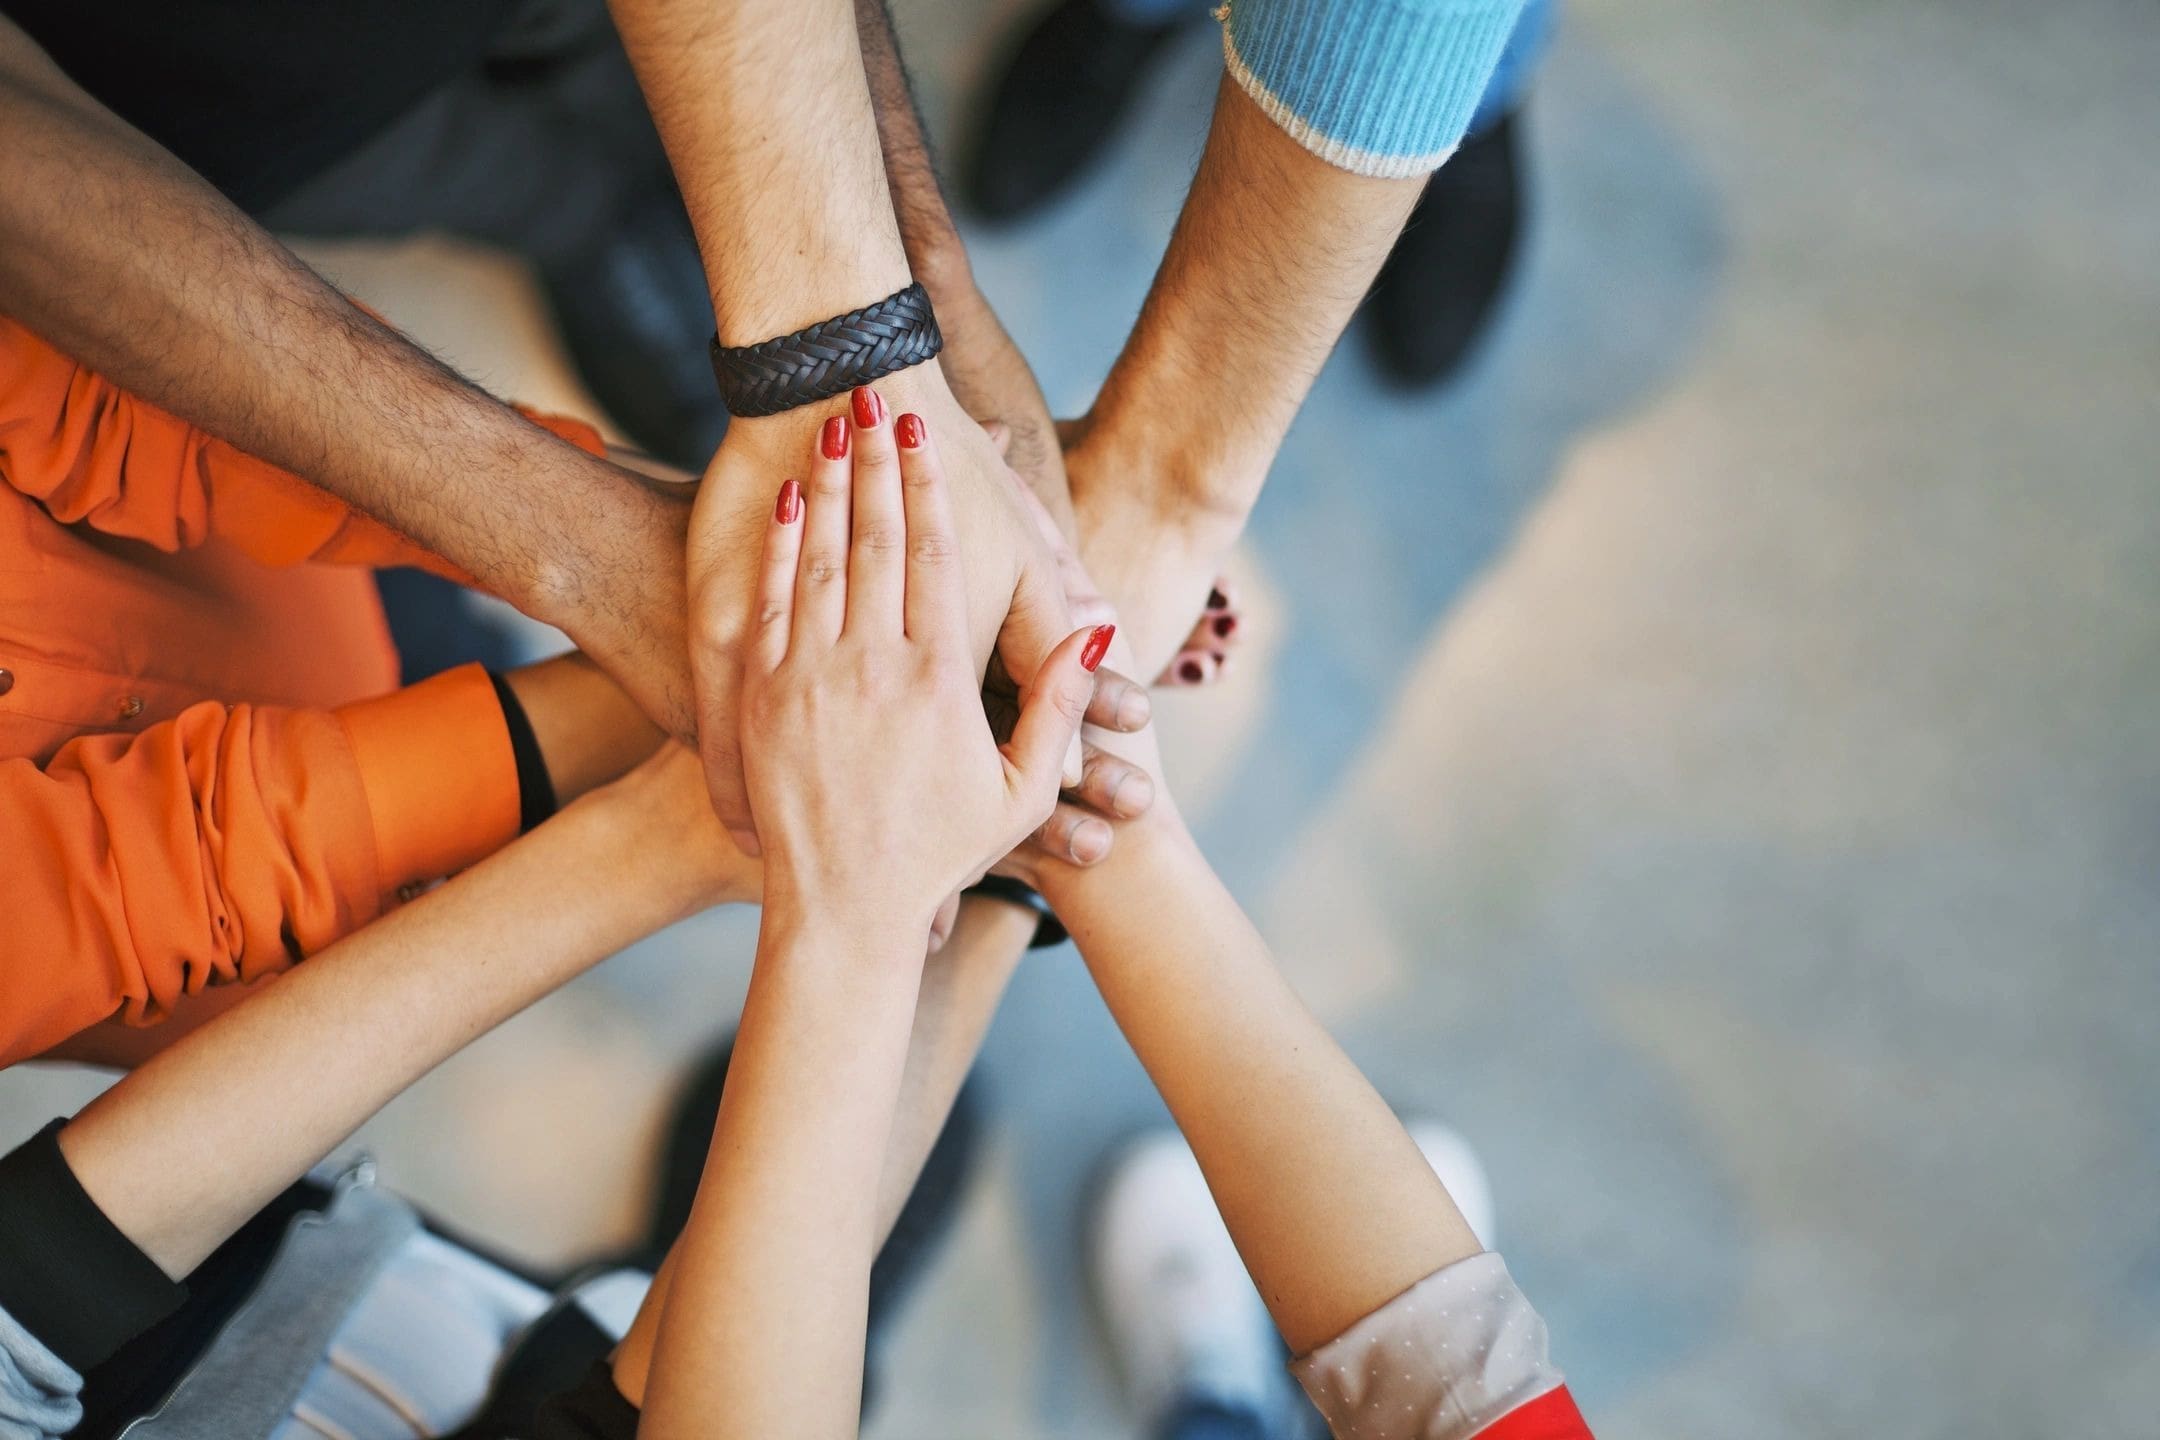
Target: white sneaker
<point>1178,1312</point>
<point>1461,1171</point>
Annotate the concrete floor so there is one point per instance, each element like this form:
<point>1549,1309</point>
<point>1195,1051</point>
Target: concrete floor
<point>1722,773</point>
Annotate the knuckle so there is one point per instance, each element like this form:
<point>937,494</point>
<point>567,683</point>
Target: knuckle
<point>822,568</point>
<point>879,537</point>
<point>932,547</point>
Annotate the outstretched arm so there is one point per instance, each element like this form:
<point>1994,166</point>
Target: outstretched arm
<point>989,376</point>
<point>177,1155</point>
<point>123,258</point>
<point>1329,118</point>
<point>1331,1204</point>
<point>877,789</point>
<point>767,118</point>
<point>959,993</point>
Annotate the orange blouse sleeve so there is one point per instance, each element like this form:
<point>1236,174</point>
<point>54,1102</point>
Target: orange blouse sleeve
<point>230,842</point>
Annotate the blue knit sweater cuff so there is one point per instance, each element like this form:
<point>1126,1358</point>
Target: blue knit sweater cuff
<point>1377,87</point>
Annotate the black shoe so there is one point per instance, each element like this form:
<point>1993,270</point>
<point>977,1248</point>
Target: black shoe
<point>636,317</point>
<point>1055,106</point>
<point>1437,292</point>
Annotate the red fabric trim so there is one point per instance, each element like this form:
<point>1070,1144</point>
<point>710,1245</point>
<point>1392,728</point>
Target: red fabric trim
<point>1552,1416</point>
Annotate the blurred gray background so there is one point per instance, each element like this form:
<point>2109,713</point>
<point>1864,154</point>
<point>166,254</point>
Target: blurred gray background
<point>1710,754</point>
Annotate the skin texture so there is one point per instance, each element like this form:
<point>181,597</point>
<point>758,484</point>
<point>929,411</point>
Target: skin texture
<point>1331,1204</point>
<point>588,730</point>
<point>201,311</point>
<point>781,252</point>
<point>125,259</point>
<point>1272,253</point>
<point>177,1166</point>
<point>858,655</point>
<point>989,376</point>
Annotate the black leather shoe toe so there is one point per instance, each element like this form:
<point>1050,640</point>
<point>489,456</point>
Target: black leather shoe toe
<point>1055,106</point>
<point>1439,289</point>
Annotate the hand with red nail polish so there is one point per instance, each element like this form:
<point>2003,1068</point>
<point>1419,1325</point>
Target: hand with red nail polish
<point>1014,606</point>
<point>874,779</point>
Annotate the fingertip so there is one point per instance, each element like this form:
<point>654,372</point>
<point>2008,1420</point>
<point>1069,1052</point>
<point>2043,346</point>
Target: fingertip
<point>1134,708</point>
<point>868,407</point>
<point>1089,843</point>
<point>1097,646</point>
<point>1134,795</point>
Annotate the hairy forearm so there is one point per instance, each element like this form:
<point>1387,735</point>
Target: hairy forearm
<point>1271,256</point>
<point>934,250</point>
<point>761,1330</point>
<point>122,257</point>
<point>768,126</point>
<point>1331,1205</point>
<point>988,375</point>
<point>200,1137</point>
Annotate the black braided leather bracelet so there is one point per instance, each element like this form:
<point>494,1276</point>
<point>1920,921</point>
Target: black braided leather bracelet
<point>829,358</point>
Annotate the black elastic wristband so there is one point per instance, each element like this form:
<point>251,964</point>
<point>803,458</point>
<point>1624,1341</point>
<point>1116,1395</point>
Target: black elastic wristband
<point>829,358</point>
<point>67,1274</point>
<point>1049,930</point>
<point>536,793</point>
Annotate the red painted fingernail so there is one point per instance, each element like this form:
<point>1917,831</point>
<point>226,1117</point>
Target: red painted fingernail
<point>833,438</point>
<point>1224,624</point>
<point>908,430</point>
<point>788,508</point>
<point>1097,642</point>
<point>1216,600</point>
<point>869,407</point>
<point>1190,671</point>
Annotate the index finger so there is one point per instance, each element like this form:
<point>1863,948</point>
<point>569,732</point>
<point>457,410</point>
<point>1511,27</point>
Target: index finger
<point>936,606</point>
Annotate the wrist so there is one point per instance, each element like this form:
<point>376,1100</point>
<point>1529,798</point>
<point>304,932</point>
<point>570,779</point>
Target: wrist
<point>1162,471</point>
<point>814,921</point>
<point>1149,847</point>
<point>941,266</point>
<point>805,896</point>
<point>643,831</point>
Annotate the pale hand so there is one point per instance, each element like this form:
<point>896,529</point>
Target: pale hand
<point>1013,605</point>
<point>870,769</point>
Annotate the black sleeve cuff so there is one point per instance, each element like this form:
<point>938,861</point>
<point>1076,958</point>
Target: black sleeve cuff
<point>66,1272</point>
<point>594,1410</point>
<point>536,793</point>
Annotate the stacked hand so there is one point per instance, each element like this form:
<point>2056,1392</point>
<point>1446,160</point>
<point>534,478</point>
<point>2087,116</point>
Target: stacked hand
<point>869,766</point>
<point>1012,603</point>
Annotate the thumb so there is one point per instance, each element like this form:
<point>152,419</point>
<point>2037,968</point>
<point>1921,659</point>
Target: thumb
<point>1050,717</point>
<point>1033,626</point>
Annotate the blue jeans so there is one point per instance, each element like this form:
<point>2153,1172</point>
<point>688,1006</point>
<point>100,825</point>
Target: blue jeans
<point>1510,79</point>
